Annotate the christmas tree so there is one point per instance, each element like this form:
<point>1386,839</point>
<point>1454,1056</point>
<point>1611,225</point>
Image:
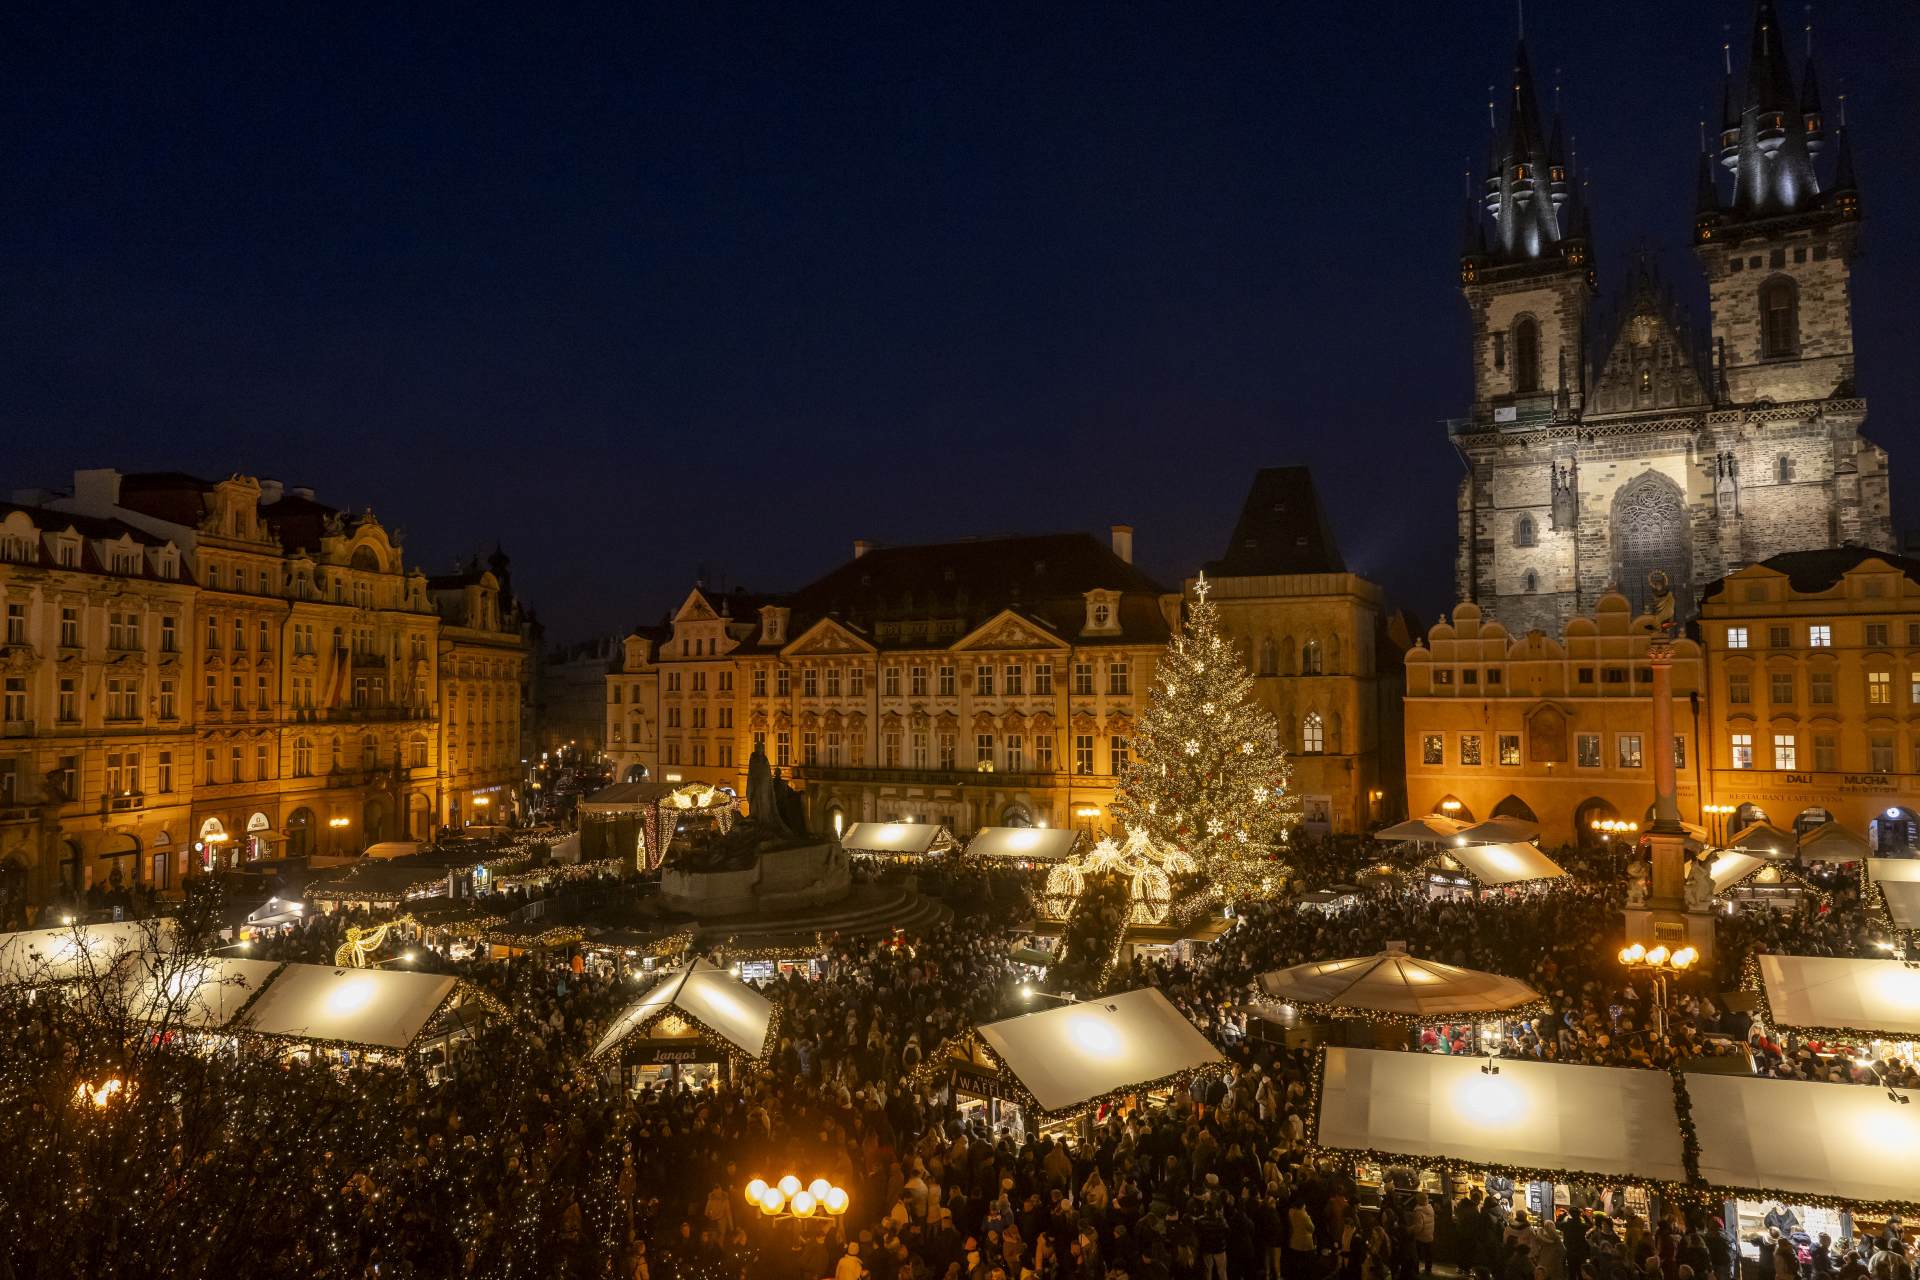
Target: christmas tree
<point>1208,773</point>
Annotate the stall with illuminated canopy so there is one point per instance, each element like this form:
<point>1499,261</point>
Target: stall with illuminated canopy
<point>365,1016</point>
<point>1465,870</point>
<point>897,841</point>
<point>52,957</point>
<point>1022,846</point>
<point>1050,1071</point>
<point>1841,1158</point>
<point>1433,829</point>
<point>1860,1008</point>
<point>691,1028</point>
<point>1746,881</point>
<point>1544,1134</point>
<point>1386,997</point>
<point>1894,883</point>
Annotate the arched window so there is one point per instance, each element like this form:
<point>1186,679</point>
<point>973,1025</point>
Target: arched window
<point>1783,470</point>
<point>1526,355</point>
<point>1310,658</point>
<point>1531,583</point>
<point>1525,532</point>
<point>1268,657</point>
<point>1779,318</point>
<point>1313,734</point>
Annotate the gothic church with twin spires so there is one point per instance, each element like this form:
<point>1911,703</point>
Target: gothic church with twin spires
<point>1635,453</point>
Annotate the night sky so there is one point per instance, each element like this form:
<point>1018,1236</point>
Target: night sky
<point>655,291</point>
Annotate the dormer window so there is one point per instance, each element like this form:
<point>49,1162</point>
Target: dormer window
<point>66,553</point>
<point>1103,612</point>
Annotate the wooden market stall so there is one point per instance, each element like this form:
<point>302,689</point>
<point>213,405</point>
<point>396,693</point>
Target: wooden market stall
<point>1748,880</point>
<point>1386,995</point>
<point>690,1028</point>
<point>1489,867</point>
<point>1843,1158</point>
<point>898,841</point>
<point>71,953</point>
<point>1869,1007</point>
<point>1544,1133</point>
<point>1045,1072</point>
<point>1022,846</point>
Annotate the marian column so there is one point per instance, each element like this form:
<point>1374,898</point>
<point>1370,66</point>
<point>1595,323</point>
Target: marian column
<point>1665,902</point>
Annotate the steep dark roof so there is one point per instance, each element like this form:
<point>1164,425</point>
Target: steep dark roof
<point>173,496</point>
<point>1282,529</point>
<point>1043,576</point>
<point>49,520</point>
<point>299,521</point>
<point>1809,572</point>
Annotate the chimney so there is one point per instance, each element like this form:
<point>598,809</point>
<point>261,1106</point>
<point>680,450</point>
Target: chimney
<point>96,492</point>
<point>860,547</point>
<point>1123,541</point>
<point>270,491</point>
<point>301,491</point>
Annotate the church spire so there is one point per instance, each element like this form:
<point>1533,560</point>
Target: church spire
<point>1527,179</point>
<point>1766,144</point>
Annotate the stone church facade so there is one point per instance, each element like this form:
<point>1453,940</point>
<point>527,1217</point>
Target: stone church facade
<point>1636,454</point>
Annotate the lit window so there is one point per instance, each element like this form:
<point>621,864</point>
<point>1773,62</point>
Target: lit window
<point>1879,688</point>
<point>1509,747</point>
<point>1819,636</point>
<point>1736,637</point>
<point>1629,753</point>
<point>1586,753</point>
<point>1786,753</point>
<point>1432,749</point>
<point>1470,749</point>
<point>1313,734</point>
<point>1743,751</point>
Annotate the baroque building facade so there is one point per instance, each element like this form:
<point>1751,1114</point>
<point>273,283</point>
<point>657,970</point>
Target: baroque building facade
<point>266,680</point>
<point>977,683</point>
<point>1324,648</point>
<point>1554,731</point>
<point>1636,455</point>
<point>1813,663</point>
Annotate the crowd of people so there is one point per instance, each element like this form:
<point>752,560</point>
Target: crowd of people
<point>525,1158</point>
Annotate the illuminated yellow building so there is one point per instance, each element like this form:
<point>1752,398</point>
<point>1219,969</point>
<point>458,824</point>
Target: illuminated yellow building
<point>1554,731</point>
<point>978,683</point>
<point>1813,658</point>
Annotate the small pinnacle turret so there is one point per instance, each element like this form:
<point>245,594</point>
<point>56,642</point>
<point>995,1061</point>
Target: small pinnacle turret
<point>1529,182</point>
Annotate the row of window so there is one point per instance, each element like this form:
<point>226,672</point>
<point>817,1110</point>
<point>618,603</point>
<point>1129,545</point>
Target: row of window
<point>1628,750</point>
<point>723,717</point>
<point>1825,755</point>
<point>1782,686</point>
<point>124,628</point>
<point>1819,635</point>
<point>24,549</point>
<point>123,701</point>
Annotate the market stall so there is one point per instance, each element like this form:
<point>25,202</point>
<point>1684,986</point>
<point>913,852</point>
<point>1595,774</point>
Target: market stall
<point>1549,1133</point>
<point>689,1028</point>
<point>1392,993</point>
<point>1901,901</point>
<point>1045,1072</point>
<point>897,841</point>
<point>1832,842</point>
<point>1498,830</point>
<point>1466,869</point>
<point>1842,1158</point>
<point>1429,830</point>
<point>1765,838</point>
<point>47,957</point>
<point>1746,881</point>
<point>1865,1008</point>
<point>1023,846</point>
<point>363,1015</point>
<point>192,993</point>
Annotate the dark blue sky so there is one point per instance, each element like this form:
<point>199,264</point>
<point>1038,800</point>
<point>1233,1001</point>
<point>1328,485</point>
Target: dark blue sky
<point>649,288</point>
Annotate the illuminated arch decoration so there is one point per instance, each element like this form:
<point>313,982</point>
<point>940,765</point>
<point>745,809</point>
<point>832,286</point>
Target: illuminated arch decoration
<point>1149,869</point>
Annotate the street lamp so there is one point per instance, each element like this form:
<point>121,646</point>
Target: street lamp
<point>1717,815</point>
<point>787,1198</point>
<point>1662,964</point>
<point>1450,807</point>
<point>1028,991</point>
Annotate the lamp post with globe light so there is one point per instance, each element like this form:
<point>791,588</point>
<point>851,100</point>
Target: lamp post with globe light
<point>787,1198</point>
<point>1662,964</point>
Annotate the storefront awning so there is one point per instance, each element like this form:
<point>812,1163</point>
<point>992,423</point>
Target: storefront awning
<point>1429,830</point>
<point>39,957</point>
<point>1825,994</point>
<point>1496,865</point>
<point>363,1008</point>
<point>1396,985</point>
<point>913,838</point>
<point>1556,1121</point>
<point>1902,900</point>
<point>705,994</point>
<point>1070,1056</point>
<point>1764,837</point>
<point>1032,844</point>
<point>1767,1138</point>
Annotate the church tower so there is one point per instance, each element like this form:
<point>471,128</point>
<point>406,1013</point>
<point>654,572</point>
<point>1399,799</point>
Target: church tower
<point>1526,271</point>
<point>1778,250</point>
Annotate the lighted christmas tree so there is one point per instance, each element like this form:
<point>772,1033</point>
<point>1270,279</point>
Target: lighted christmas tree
<point>1208,773</point>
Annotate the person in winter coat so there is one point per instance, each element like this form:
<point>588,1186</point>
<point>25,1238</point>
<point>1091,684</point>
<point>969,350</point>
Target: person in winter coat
<point>1420,1226</point>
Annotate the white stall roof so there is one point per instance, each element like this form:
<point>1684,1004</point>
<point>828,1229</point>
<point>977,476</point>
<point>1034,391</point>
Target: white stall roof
<point>894,837</point>
<point>1072,1054</point>
<point>1494,865</point>
<point>1877,997</point>
<point>1848,1141</point>
<point>1831,840</point>
<point>1422,829</point>
<point>1036,844</point>
<point>1614,1123</point>
<point>1767,838</point>
<point>1880,870</point>
<point>393,849</point>
<point>1903,903</point>
<point>382,1008</point>
<point>71,952</point>
<point>1499,830</point>
<point>711,997</point>
<point>1394,982</point>
<point>205,993</point>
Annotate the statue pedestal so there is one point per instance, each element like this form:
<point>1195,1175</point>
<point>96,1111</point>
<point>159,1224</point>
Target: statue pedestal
<point>1666,916</point>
